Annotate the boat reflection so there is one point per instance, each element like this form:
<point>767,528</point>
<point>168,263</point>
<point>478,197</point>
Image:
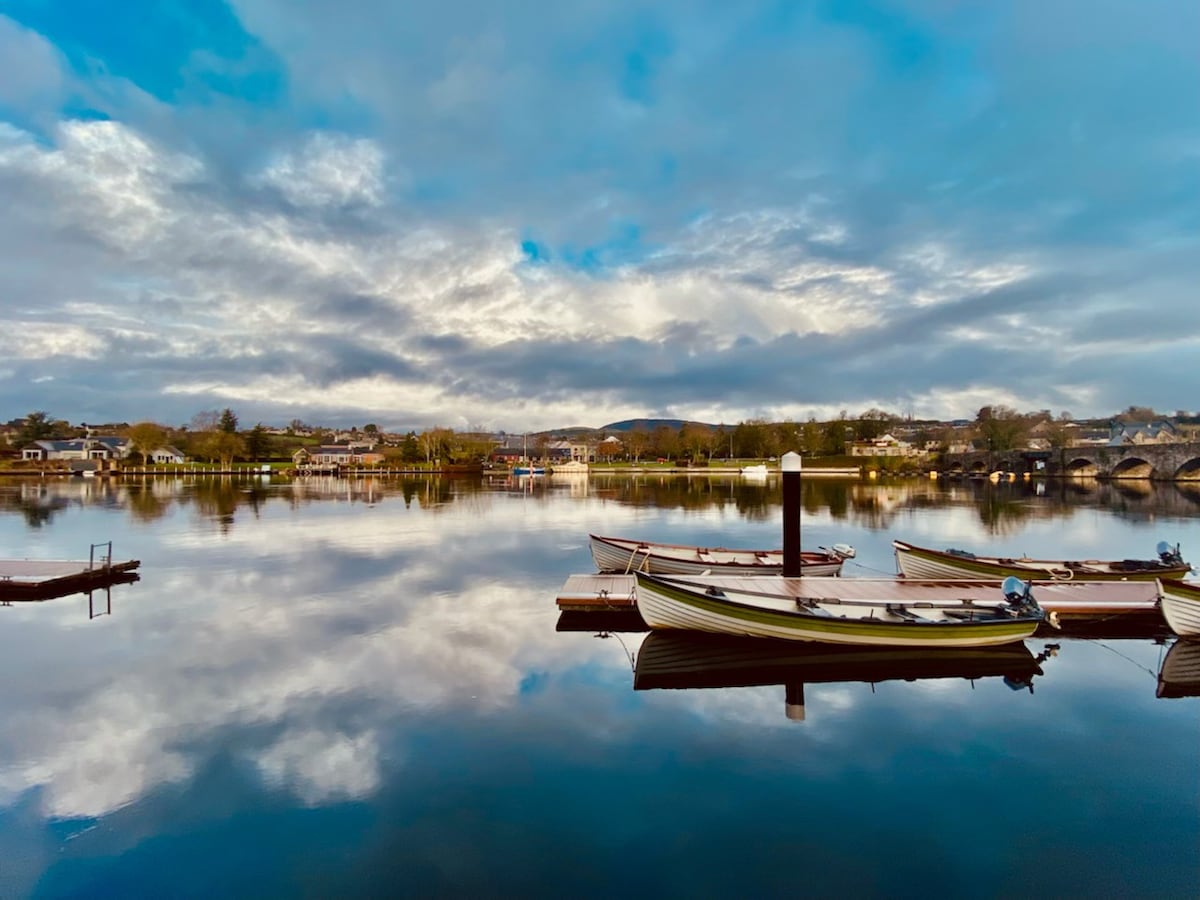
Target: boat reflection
<point>695,660</point>
<point>1179,675</point>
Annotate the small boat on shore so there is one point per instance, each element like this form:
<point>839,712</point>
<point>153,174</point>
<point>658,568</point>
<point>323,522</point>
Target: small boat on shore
<point>1181,606</point>
<point>758,471</point>
<point>612,554</point>
<point>922,562</point>
<point>882,611</point>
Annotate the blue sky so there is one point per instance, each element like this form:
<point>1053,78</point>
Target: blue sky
<point>532,215</point>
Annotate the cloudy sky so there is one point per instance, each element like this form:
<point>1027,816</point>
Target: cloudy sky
<point>528,215</point>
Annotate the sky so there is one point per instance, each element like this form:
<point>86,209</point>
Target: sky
<point>521,216</point>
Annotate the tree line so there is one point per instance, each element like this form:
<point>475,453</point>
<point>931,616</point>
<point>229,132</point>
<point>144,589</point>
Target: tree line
<point>216,436</point>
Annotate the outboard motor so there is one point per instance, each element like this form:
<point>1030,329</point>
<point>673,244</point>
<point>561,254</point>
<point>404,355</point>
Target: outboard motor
<point>1168,555</point>
<point>845,551</point>
<point>1018,593</point>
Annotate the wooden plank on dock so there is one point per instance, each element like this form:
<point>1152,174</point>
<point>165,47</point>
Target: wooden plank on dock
<point>598,592</point>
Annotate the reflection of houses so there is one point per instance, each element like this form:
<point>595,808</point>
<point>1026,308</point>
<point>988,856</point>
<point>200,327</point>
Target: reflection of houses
<point>885,445</point>
<point>78,448</point>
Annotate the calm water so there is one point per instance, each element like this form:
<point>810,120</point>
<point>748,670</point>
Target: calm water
<point>354,687</point>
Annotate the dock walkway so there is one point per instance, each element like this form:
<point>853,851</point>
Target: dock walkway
<point>42,579</point>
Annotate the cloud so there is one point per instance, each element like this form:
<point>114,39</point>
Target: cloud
<point>740,211</point>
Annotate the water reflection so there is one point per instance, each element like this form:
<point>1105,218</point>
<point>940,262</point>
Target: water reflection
<point>1002,508</point>
<point>1179,675</point>
<point>687,660</point>
<point>348,674</point>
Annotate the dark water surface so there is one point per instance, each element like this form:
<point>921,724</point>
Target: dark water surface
<point>363,688</point>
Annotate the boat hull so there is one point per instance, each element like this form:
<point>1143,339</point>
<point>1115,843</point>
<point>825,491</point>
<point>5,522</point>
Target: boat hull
<point>665,604</point>
<point>619,555</point>
<point>923,563</point>
<point>1181,606</point>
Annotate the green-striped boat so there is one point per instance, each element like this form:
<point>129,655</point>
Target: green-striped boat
<point>923,562</point>
<point>881,611</point>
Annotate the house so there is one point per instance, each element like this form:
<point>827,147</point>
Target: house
<point>506,455</point>
<point>885,445</point>
<point>1124,433</point>
<point>167,455</point>
<point>99,447</point>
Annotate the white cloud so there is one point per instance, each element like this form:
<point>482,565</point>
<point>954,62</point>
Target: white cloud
<point>329,170</point>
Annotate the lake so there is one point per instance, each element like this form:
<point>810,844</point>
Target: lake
<point>363,687</point>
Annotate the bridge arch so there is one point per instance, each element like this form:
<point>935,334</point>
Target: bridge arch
<point>1081,467</point>
<point>1189,471</point>
<point>1133,467</point>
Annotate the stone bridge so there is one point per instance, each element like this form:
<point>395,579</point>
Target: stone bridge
<point>1158,462</point>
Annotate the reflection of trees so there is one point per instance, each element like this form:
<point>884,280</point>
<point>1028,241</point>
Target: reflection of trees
<point>145,505</point>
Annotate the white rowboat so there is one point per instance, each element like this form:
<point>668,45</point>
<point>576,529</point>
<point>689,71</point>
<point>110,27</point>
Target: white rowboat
<point>922,562</point>
<point>1181,606</point>
<point>884,611</point>
<point>624,555</point>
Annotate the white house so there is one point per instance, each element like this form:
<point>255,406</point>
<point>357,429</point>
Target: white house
<point>103,447</point>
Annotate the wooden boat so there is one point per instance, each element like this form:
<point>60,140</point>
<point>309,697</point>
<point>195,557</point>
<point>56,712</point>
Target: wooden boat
<point>613,554</point>
<point>842,610</point>
<point>922,562</point>
<point>1180,672</point>
<point>1181,606</point>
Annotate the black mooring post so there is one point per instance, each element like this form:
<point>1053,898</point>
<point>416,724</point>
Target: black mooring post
<point>789,465</point>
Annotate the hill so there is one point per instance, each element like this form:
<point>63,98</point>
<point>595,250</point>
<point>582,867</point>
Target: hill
<point>651,424</point>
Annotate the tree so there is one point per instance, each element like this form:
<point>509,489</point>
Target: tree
<point>372,429</point>
<point>228,422</point>
<point>873,423</point>
<point>205,420</point>
<point>257,442</point>
<point>694,439</point>
<point>637,442</point>
<point>223,447</point>
<point>37,427</point>
<point>410,450</point>
<point>1002,428</point>
<point>146,437</point>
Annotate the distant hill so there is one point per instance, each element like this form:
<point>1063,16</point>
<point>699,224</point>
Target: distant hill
<point>651,424</point>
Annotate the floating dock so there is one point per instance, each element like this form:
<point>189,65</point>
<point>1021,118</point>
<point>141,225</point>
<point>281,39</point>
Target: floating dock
<point>598,593</point>
<point>43,579</point>
<point>1062,600</point>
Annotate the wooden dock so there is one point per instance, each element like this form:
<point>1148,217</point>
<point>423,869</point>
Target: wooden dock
<point>1074,601</point>
<point>43,579</point>
<point>598,593</point>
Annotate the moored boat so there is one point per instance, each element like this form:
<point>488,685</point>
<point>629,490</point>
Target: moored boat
<point>842,610</point>
<point>612,554</point>
<point>923,562</point>
<point>1181,606</point>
